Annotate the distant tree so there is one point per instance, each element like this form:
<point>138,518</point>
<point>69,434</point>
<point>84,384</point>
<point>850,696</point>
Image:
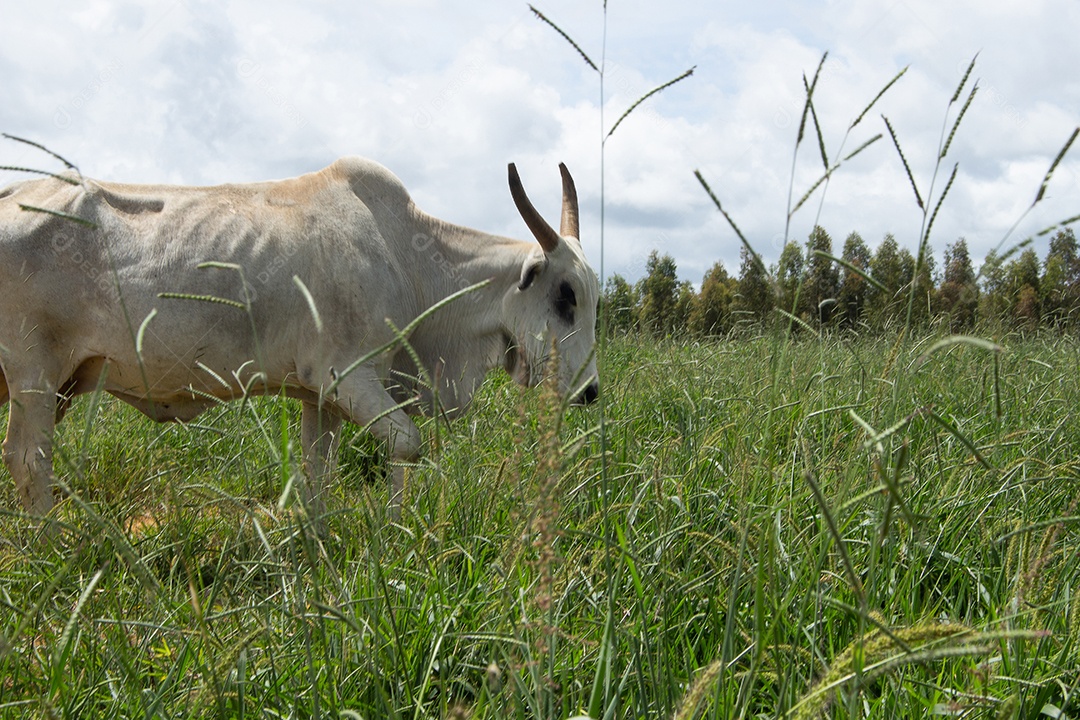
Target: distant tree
<point>1064,245</point>
<point>684,304</point>
<point>994,300</point>
<point>1054,295</point>
<point>620,300</point>
<point>659,293</point>
<point>851,295</point>
<point>958,296</point>
<point>789,276</point>
<point>899,272</point>
<point>1026,308</point>
<point>1023,270</point>
<point>887,267</point>
<point>918,288</point>
<point>821,284</point>
<point>1022,281</point>
<point>1059,287</point>
<point>958,269</point>
<point>711,311</point>
<point>754,297</point>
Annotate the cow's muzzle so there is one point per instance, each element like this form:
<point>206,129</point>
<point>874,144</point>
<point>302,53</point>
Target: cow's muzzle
<point>589,395</point>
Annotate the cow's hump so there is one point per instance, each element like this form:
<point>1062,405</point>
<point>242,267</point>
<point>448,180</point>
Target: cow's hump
<point>371,181</point>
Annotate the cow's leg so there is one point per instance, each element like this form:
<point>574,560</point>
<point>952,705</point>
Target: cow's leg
<point>320,433</point>
<point>363,399</point>
<point>28,445</point>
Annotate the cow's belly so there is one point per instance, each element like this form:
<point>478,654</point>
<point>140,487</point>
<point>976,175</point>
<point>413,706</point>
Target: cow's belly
<point>175,388</point>
<point>168,383</point>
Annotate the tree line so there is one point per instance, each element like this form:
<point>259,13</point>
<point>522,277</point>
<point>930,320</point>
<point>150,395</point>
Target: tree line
<point>807,287</point>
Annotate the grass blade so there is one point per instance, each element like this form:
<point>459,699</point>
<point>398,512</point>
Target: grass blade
<point>1058,226</point>
<point>857,270</point>
<point>59,214</point>
<point>203,298</point>
<point>310,302</point>
<point>646,96</point>
<point>121,545</point>
<point>64,645</point>
<point>55,176</point>
<point>142,331</point>
<point>963,80</point>
<point>798,321</point>
<point>963,111</point>
<point>806,195</point>
<point>955,432</point>
<point>907,168</point>
<point>878,97</point>
<point>809,96</point>
<point>31,615</point>
<point>738,232</point>
<point>838,539</point>
<point>862,147</point>
<point>42,148</point>
<point>817,127</point>
<point>958,340</point>
<point>602,677</point>
<point>828,170</point>
<point>566,37</point>
<point>1053,166</point>
<point>933,216</point>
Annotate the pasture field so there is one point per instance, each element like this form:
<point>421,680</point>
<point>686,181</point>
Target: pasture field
<point>848,528</point>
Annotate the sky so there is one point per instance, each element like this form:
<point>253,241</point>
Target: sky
<point>446,94</point>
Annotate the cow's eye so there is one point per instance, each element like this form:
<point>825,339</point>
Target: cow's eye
<point>528,277</point>
<point>565,302</point>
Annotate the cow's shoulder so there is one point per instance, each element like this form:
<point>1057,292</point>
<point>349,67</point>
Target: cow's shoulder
<point>58,191</point>
<point>370,181</point>
<point>32,207</point>
<point>128,199</point>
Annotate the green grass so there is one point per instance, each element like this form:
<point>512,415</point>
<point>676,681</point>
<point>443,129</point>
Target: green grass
<point>752,556</point>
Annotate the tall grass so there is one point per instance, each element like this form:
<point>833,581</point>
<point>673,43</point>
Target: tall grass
<point>903,408</point>
<point>762,564</point>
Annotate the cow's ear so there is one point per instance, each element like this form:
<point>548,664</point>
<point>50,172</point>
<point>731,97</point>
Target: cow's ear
<point>529,272</point>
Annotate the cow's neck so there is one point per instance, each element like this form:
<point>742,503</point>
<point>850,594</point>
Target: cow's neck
<point>460,343</point>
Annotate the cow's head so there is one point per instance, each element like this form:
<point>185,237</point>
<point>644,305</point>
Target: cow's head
<point>554,300</point>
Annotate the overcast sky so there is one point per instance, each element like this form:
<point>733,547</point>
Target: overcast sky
<point>445,94</point>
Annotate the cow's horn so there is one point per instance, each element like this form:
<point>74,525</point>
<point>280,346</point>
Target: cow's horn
<point>569,225</point>
<point>545,234</point>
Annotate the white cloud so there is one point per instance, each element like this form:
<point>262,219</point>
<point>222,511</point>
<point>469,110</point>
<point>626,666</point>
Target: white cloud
<point>446,95</point>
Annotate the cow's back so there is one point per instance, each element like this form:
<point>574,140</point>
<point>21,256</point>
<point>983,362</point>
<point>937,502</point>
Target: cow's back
<point>136,250</point>
<point>353,201</point>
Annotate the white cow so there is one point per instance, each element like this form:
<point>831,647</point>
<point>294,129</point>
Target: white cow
<point>176,298</point>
